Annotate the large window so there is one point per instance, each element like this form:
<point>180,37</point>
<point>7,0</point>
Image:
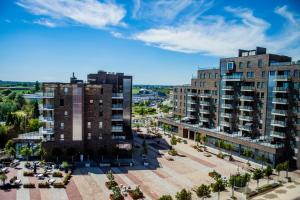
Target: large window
<point>249,64</point>
<point>230,65</point>
<point>260,63</point>
<point>250,74</point>
<point>241,65</point>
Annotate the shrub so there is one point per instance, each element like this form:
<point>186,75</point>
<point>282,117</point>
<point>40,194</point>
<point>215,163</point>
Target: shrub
<point>67,178</point>
<point>203,191</point>
<point>220,155</point>
<point>57,174</point>
<point>166,197</point>
<point>184,195</point>
<point>111,184</point>
<point>116,195</point>
<point>28,185</point>
<point>239,180</point>
<point>27,173</point>
<point>44,185</point>
<point>214,174</point>
<point>136,193</point>
<point>59,185</point>
<point>172,152</point>
<point>219,185</point>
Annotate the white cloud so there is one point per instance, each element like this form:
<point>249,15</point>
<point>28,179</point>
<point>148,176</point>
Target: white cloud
<point>45,22</point>
<point>85,12</point>
<point>214,35</point>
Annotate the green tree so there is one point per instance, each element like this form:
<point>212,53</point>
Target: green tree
<point>279,167</point>
<point>183,195</point>
<point>204,140</point>
<point>6,92</point>
<point>26,152</point>
<point>37,86</point>
<point>3,178</point>
<point>203,191</point>
<point>257,175</point>
<point>34,124</point>
<point>268,172</point>
<point>166,197</point>
<point>36,112</point>
<point>173,141</point>
<point>218,186</point>
<point>20,101</point>
<point>116,193</point>
<point>41,151</point>
<point>10,148</point>
<point>285,166</point>
<point>248,153</point>
<point>12,96</point>
<point>230,148</point>
<point>198,138</point>
<point>263,159</point>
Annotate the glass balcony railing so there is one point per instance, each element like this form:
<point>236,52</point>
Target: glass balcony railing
<point>46,107</point>
<point>280,101</point>
<point>280,89</point>
<point>245,127</point>
<point>281,78</point>
<point>246,98</point>
<point>233,77</point>
<point>46,131</point>
<point>117,117</point>
<point>277,134</point>
<point>228,88</point>
<point>246,108</point>
<point>117,128</point>
<point>247,88</point>
<point>204,103</point>
<point>191,94</point>
<point>227,97</point>
<point>245,118</point>
<point>226,115</point>
<point>48,94</point>
<point>227,106</point>
<point>204,119</point>
<point>117,95</point>
<point>278,123</point>
<point>205,95</point>
<point>205,111</point>
<point>117,106</point>
<point>279,112</point>
<point>227,124</point>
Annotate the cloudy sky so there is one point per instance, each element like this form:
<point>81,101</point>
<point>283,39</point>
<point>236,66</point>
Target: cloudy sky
<point>156,41</point>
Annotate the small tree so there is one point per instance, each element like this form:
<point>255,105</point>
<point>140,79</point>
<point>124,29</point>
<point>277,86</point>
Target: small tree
<point>166,197</point>
<point>248,153</point>
<point>110,176</point>
<point>219,186</point>
<point>278,168</point>
<point>173,141</point>
<point>257,175</point>
<point>183,195</point>
<point>268,172</point>
<point>285,166</point>
<point>26,152</point>
<point>263,159</point>
<point>198,139</point>
<point>116,193</point>
<point>204,140</point>
<point>3,178</point>
<point>36,111</point>
<point>203,191</point>
<point>41,151</point>
<point>37,86</point>
<point>230,148</point>
<point>10,148</point>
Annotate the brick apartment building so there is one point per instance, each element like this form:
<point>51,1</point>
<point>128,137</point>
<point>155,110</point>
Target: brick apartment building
<point>251,101</point>
<point>92,117</point>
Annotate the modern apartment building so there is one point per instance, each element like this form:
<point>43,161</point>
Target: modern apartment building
<point>94,117</point>
<point>252,101</point>
<point>180,100</point>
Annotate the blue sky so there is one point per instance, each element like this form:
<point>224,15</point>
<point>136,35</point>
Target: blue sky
<point>158,42</point>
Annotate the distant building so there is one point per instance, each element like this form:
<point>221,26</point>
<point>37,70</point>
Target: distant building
<point>252,102</point>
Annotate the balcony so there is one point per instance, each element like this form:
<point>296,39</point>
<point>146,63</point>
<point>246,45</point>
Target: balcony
<point>46,119</point>
<point>227,97</point>
<point>281,89</point>
<point>117,128</point>
<point>118,137</point>
<point>247,88</point>
<point>204,103</point>
<point>246,108</point>
<point>230,88</point>
<point>204,111</point>
<point>232,78</point>
<point>246,118</point>
<point>117,96</point>
<point>189,109</point>
<point>117,107</point>
<point>205,95</point>
<point>226,115</point>
<point>48,95</point>
<point>227,124</point>
<point>116,118</point>
<point>279,112</point>
<point>279,101</point>
<point>226,106</point>
<point>46,131</point>
<point>246,98</point>
<point>204,119</point>
<point>245,127</point>
<point>278,123</point>
<point>191,94</point>
<point>277,134</point>
<point>191,102</point>
<point>46,107</point>
<point>281,78</point>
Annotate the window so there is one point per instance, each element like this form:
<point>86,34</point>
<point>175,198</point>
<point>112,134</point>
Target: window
<point>100,113</point>
<point>89,137</point>
<point>263,73</point>
<point>216,84</point>
<point>66,113</point>
<point>100,136</point>
<point>262,95</point>
<point>216,75</point>
<point>241,65</point>
<point>65,90</point>
<point>89,124</point>
<point>91,101</point>
<point>230,66</point>
<point>258,84</point>
<point>296,73</point>
<point>250,74</point>
<point>100,124</point>
<point>260,63</point>
<point>210,76</point>
<point>204,75</point>
<point>249,64</point>
<point>62,125</point>
<point>61,102</point>
<point>262,84</point>
<point>62,137</point>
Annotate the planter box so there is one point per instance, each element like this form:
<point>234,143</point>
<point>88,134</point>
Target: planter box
<point>141,196</point>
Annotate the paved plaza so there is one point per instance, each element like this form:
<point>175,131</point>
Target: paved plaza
<point>188,170</point>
